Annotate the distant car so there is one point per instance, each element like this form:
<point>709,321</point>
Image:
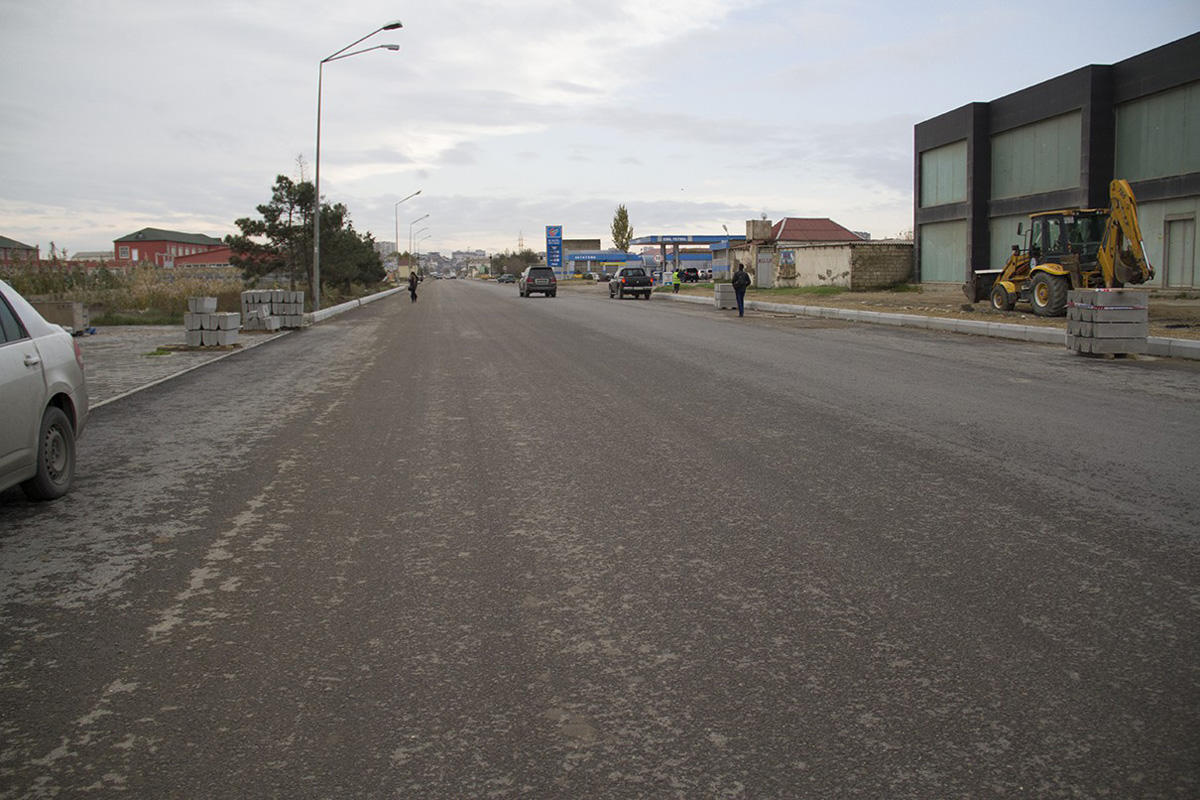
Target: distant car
<point>690,275</point>
<point>506,278</point>
<point>537,279</point>
<point>631,282</point>
<point>44,397</point>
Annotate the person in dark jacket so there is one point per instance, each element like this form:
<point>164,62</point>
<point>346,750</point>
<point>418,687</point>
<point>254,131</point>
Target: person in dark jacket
<point>412,286</point>
<point>741,279</point>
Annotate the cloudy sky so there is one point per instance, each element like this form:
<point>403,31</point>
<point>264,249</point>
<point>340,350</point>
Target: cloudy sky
<point>509,115</point>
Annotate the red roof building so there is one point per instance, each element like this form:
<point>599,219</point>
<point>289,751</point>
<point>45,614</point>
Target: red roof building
<point>811,229</point>
<point>161,247</point>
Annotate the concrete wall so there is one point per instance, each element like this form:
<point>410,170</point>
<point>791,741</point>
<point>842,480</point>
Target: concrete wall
<point>852,265</point>
<point>880,265</point>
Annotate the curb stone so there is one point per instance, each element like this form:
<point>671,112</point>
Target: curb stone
<point>1156,345</point>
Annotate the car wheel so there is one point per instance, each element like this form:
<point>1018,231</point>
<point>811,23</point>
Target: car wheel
<point>610,293</point>
<point>552,294</point>
<point>621,293</point>
<point>55,458</point>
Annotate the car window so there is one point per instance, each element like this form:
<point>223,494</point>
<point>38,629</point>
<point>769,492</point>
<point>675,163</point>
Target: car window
<point>543,271</point>
<point>634,271</point>
<point>11,328</point>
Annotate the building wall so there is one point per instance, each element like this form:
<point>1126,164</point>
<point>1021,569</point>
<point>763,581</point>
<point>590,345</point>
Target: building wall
<point>1003,234</point>
<point>846,264</point>
<point>943,248</point>
<point>878,266</point>
<point>1059,144</point>
<point>1159,135</point>
<point>1037,158</point>
<point>944,175</point>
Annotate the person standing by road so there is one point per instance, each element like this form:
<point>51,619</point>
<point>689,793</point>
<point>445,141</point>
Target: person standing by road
<point>676,278</point>
<point>741,280</point>
<point>412,286</point>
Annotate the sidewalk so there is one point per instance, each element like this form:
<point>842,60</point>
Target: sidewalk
<point>123,359</point>
<point>1047,331</point>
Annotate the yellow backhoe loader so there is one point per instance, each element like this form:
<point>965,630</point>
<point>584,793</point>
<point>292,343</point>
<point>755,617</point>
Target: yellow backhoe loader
<point>1077,248</point>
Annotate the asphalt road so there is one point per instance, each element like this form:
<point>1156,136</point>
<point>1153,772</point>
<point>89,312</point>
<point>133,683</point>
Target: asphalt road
<point>483,546</point>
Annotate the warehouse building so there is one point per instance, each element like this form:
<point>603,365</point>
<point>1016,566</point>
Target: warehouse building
<point>981,169</point>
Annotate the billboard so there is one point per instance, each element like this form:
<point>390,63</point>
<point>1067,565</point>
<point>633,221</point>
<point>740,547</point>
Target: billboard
<point>554,246</point>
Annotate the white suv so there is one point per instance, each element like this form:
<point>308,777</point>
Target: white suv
<point>44,397</point>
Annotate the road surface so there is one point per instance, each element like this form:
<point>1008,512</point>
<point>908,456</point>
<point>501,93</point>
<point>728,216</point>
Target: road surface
<point>484,546</point>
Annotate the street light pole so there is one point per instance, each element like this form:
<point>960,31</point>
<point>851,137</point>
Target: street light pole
<point>340,54</point>
<point>418,246</point>
<point>396,210</point>
<point>410,239</point>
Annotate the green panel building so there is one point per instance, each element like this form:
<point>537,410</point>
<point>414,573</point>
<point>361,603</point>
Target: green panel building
<point>981,169</point>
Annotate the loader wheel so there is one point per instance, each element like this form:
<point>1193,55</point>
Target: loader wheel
<point>1001,299</point>
<point>1049,295</point>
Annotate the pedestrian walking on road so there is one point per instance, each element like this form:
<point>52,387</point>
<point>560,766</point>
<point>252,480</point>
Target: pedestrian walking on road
<point>741,279</point>
<point>676,279</point>
<point>412,286</point>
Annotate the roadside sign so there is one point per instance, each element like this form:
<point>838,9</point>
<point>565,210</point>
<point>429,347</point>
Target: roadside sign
<point>554,246</point>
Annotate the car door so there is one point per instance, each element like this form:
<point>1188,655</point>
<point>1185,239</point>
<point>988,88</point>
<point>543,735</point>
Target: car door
<point>22,388</point>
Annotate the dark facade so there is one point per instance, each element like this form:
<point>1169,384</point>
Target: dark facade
<point>1095,93</point>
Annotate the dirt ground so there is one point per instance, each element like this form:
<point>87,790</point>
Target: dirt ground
<point>1173,313</point>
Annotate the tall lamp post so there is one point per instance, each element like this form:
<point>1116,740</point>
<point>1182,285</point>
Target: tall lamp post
<point>410,239</point>
<point>418,246</point>
<point>340,54</point>
<point>396,210</point>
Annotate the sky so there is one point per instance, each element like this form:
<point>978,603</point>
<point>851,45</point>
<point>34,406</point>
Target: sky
<point>509,115</point>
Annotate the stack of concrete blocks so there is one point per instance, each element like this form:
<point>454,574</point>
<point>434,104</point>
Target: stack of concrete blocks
<point>272,309</point>
<point>1108,321</point>
<point>204,327</point>
<point>723,295</point>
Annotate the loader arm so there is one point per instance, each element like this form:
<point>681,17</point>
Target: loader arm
<point>1119,264</point>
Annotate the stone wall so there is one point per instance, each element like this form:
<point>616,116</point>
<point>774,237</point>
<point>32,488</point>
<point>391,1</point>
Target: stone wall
<point>878,265</point>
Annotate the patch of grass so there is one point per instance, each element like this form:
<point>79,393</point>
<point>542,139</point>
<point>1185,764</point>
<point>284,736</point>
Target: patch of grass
<point>903,287</point>
<point>161,351</point>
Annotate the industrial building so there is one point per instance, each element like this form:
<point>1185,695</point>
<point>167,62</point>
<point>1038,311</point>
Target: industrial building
<point>981,169</point>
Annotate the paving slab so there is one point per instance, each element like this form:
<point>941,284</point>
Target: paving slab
<point>121,359</point>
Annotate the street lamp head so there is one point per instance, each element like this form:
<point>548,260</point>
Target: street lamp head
<point>391,26</point>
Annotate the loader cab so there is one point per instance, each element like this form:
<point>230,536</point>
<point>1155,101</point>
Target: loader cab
<point>1075,232</point>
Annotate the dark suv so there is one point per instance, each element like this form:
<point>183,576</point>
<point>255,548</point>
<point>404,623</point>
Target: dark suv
<point>537,279</point>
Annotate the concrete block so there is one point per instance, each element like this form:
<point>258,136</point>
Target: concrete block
<point>1120,330</point>
<point>270,323</point>
<point>1119,315</point>
<point>202,305</point>
<point>209,338</point>
<point>227,337</point>
<point>942,324</point>
<point>193,338</point>
<point>1036,333</point>
<point>1185,348</point>
<point>1075,328</point>
<point>1119,345</point>
<point>1128,298</point>
<point>277,295</point>
<point>1159,346</point>
<point>971,326</point>
<point>229,322</point>
<point>193,322</point>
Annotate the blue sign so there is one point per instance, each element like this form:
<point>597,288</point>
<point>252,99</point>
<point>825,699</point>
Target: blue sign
<point>554,246</point>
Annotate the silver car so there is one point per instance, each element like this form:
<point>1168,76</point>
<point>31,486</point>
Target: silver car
<point>44,400</point>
